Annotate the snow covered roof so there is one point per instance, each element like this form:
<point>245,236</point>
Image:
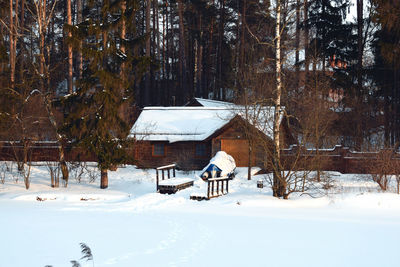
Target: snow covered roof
<point>175,124</point>
<point>212,103</point>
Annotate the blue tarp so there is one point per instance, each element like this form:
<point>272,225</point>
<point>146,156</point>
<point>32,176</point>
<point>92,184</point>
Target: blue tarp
<point>213,169</point>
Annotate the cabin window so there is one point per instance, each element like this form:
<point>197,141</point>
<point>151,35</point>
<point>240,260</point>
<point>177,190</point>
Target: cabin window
<point>158,150</point>
<point>200,150</point>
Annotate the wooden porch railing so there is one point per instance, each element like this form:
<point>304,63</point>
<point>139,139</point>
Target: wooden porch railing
<point>166,168</point>
<point>217,187</point>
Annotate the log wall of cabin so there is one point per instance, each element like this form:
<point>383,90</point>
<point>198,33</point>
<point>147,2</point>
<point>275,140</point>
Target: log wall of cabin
<point>181,153</point>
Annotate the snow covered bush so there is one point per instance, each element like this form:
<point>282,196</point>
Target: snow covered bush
<point>76,170</point>
<point>82,170</point>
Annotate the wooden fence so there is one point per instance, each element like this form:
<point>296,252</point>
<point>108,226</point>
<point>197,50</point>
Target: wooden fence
<point>339,158</point>
<point>40,151</point>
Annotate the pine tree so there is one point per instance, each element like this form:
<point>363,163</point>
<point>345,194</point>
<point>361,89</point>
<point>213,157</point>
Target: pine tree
<point>386,70</point>
<point>326,21</point>
<point>94,121</point>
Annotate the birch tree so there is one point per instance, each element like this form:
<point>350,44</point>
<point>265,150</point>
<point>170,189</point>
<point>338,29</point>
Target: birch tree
<point>279,185</point>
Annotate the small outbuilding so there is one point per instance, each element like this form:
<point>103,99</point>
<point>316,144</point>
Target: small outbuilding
<point>190,136</point>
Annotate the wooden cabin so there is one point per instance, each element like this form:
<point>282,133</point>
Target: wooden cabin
<point>190,136</point>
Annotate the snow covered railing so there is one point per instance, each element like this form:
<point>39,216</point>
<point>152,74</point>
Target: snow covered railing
<point>168,184</point>
<point>168,167</point>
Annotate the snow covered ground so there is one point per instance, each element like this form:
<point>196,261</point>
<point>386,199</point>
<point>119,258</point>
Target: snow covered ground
<point>131,225</point>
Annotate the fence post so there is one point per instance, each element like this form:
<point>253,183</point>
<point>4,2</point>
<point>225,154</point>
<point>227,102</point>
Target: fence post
<point>344,154</point>
<point>208,189</point>
<point>157,180</point>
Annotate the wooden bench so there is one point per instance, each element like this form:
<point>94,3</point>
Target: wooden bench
<point>168,184</point>
<point>215,187</point>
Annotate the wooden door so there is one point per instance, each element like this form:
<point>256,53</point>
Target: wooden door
<point>238,149</point>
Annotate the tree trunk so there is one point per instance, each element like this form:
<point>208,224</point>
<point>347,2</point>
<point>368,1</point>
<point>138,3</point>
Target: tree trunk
<point>242,35</point>
<point>306,45</point>
<point>70,63</point>
<point>41,19</point>
<point>104,179</point>
<point>80,20</point>
<point>22,48</point>
<point>360,24</point>
<point>157,52</point>
<point>63,165</point>
<point>182,61</point>
<point>174,74</point>
<point>166,58</point>
<point>220,90</point>
<point>13,41</point>
<point>324,33</point>
<point>250,162</point>
<point>199,60</point>
<point>57,182</point>
<point>52,180</point>
<point>1,43</point>
<point>297,45</point>
<point>153,53</point>
<point>209,60</point>
<point>61,153</point>
<point>123,34</point>
<point>146,100</point>
<point>196,53</point>
<point>279,187</point>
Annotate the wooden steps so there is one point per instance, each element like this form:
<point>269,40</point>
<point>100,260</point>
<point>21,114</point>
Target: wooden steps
<point>173,188</point>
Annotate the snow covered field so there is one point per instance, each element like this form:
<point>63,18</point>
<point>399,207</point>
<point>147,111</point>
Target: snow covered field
<point>131,225</point>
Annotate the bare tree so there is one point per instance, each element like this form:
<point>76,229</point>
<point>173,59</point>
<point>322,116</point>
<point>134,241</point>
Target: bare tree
<point>43,13</point>
<point>12,27</point>
<point>383,166</point>
<point>54,171</point>
<point>279,184</point>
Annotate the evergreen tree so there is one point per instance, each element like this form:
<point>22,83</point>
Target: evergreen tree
<point>94,121</point>
<point>386,70</point>
<point>326,22</point>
